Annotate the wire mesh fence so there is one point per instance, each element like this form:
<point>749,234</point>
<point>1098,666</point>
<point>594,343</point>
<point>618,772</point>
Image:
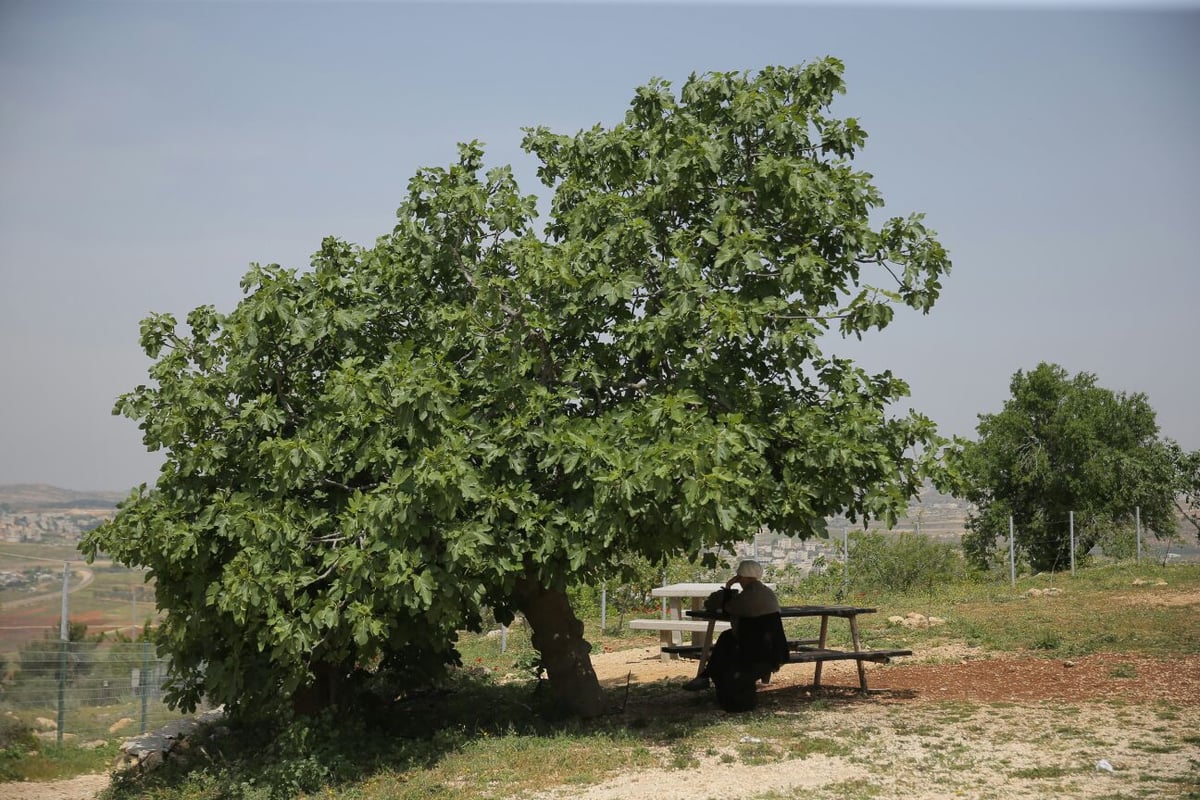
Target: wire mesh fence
<point>84,691</point>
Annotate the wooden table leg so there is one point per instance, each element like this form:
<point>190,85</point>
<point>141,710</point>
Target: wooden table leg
<point>820,646</point>
<point>706,648</point>
<point>862,673</point>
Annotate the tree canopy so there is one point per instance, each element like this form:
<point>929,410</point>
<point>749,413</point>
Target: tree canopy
<point>470,414</point>
<point>1064,444</point>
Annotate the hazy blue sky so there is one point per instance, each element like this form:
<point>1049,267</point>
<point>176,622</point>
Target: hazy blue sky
<point>150,152</point>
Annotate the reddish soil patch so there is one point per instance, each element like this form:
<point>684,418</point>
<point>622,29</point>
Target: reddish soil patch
<point>1102,677</point>
<point>1008,678</point>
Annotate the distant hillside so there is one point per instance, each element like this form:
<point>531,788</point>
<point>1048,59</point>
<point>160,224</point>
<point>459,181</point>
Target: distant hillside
<point>41,497</point>
<point>934,514</point>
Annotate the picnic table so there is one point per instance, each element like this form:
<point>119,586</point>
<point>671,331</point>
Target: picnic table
<point>673,624</point>
<point>810,651</point>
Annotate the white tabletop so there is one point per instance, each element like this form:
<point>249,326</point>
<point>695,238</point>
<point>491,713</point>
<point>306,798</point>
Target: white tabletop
<point>686,590</point>
<point>690,589</point>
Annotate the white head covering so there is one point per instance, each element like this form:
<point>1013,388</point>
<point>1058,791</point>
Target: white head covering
<point>750,569</point>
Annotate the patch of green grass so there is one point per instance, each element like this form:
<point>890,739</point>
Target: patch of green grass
<point>1043,773</point>
<point>1156,747</point>
<point>1047,640</point>
<point>854,789</point>
<point>755,753</point>
<point>1123,670</point>
<point>805,746</point>
<point>682,756</point>
<point>955,712</point>
<point>1082,621</point>
<point>48,763</point>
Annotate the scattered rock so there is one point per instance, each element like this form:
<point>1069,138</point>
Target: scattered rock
<point>42,724</point>
<point>52,736</point>
<point>94,744</point>
<point>1033,593</point>
<point>914,620</point>
<point>1068,664</point>
<point>1160,583</point>
<point>1139,582</point>
<point>1053,591</point>
<point>120,725</point>
<point>149,750</point>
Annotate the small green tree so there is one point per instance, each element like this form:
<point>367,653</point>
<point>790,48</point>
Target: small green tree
<point>1063,444</point>
<point>1187,483</point>
<point>469,415</point>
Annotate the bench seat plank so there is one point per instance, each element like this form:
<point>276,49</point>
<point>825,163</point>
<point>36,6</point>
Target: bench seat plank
<point>694,649</point>
<point>812,655</point>
<point>697,625</point>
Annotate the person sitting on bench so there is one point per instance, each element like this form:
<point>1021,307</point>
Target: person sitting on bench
<point>753,647</point>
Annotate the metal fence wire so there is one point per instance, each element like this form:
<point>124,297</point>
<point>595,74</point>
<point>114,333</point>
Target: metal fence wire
<point>84,691</point>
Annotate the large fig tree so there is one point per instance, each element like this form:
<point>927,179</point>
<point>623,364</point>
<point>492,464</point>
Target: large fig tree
<point>474,414</point>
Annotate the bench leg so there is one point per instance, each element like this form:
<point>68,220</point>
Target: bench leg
<point>676,612</point>
<point>821,646</point>
<point>706,648</point>
<point>862,672</point>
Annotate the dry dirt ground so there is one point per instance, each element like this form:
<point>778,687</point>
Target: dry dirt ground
<point>949,722</point>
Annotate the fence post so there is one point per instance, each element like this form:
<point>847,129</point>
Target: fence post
<point>1138,532</point>
<point>64,636</point>
<point>664,600</point>
<point>144,688</point>
<point>1012,558</point>
<point>1072,513</point>
<point>845,559</point>
<point>603,606</point>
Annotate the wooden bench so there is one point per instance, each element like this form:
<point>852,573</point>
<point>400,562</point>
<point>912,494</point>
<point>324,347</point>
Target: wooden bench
<point>694,650</point>
<point>813,655</point>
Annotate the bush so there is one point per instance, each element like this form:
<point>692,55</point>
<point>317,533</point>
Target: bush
<point>16,739</point>
<point>902,562</point>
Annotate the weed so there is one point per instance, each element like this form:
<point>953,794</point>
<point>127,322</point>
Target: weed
<point>1047,640</point>
<point>855,789</point>
<point>816,745</point>
<point>51,763</point>
<point>754,753</point>
<point>1042,773</point>
<point>682,756</point>
<point>1123,670</point>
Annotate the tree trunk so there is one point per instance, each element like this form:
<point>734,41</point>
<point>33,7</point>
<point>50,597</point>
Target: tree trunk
<point>558,636</point>
<point>324,691</point>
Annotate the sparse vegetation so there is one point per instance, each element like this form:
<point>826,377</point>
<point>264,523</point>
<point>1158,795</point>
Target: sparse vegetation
<point>490,732</point>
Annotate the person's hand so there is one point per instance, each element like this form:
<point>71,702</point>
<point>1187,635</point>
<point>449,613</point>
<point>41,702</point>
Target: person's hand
<point>735,579</point>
